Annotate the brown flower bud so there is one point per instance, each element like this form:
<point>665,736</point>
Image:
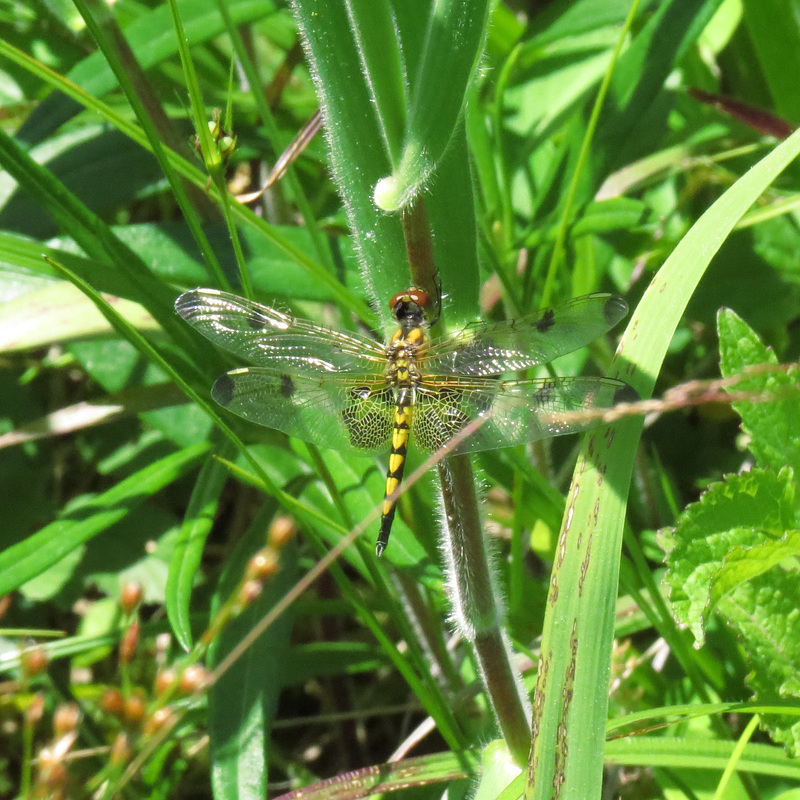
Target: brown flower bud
<point>127,647</point>
<point>112,703</point>
<point>66,719</point>
<point>263,565</point>
<point>34,661</point>
<point>281,531</point>
<point>134,708</point>
<point>194,679</point>
<point>120,749</point>
<point>130,597</point>
<point>157,720</point>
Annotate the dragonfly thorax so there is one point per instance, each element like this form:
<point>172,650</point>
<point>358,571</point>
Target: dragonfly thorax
<point>401,357</point>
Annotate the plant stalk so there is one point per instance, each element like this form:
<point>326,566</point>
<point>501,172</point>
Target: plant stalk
<point>474,598</point>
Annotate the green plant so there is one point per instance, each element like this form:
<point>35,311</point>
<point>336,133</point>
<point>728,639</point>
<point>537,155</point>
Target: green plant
<point>526,161</point>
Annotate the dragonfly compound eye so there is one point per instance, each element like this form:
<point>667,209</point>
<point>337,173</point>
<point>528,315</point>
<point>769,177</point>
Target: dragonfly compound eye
<point>409,304</point>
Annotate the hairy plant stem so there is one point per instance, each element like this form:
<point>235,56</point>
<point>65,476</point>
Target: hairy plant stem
<point>421,264</point>
<point>476,609</point>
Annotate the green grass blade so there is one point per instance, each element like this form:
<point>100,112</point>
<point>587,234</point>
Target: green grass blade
<point>21,562</point>
<point>188,552</point>
<point>456,30</point>
<point>579,622</point>
<point>243,702</point>
<point>152,39</point>
<point>317,271</point>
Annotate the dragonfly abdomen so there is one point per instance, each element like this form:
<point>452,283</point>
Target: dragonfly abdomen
<point>397,464</point>
<point>404,376</point>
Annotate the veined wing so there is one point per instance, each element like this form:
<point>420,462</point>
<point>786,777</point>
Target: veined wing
<point>514,412</point>
<point>497,348</point>
<point>352,414</point>
<point>266,336</point>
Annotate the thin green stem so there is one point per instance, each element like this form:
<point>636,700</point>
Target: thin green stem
<point>155,123</point>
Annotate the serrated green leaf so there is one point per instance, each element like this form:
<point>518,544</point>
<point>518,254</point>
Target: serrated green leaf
<point>744,563</point>
<point>765,613</point>
<point>738,516</point>
<point>773,427</point>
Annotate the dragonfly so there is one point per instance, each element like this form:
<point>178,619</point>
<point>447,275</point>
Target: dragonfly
<point>350,392</point>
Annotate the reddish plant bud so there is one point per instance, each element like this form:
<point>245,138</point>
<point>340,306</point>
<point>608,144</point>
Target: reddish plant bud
<point>34,712</point>
<point>66,719</point>
<point>130,597</point>
<point>52,765</point>
<point>134,708</point>
<point>281,532</point>
<point>5,604</point>
<point>194,679</point>
<point>165,680</point>
<point>112,703</point>
<point>127,647</point>
<point>249,592</point>
<point>34,661</point>
<point>157,720</point>
<point>52,771</point>
<point>263,565</point>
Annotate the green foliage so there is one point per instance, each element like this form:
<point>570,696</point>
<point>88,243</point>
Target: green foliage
<point>555,152</point>
<point>734,550</point>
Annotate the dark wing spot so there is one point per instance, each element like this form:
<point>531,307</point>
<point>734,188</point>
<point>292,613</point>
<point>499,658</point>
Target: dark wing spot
<point>546,322</point>
<point>545,395</point>
<point>626,394</point>
<point>256,321</point>
<point>614,309</point>
<point>287,386</point>
<point>222,391</point>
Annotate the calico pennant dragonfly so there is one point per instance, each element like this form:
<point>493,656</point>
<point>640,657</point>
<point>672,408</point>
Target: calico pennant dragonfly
<point>351,393</point>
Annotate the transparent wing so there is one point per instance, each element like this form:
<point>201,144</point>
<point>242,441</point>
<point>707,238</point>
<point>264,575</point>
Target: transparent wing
<point>497,348</point>
<point>352,415</point>
<point>515,412</point>
<point>269,337</point>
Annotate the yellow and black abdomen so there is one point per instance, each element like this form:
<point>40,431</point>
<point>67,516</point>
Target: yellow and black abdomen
<point>404,376</point>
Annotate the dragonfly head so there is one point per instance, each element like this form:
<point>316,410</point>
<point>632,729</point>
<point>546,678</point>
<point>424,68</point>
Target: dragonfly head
<point>409,307</point>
